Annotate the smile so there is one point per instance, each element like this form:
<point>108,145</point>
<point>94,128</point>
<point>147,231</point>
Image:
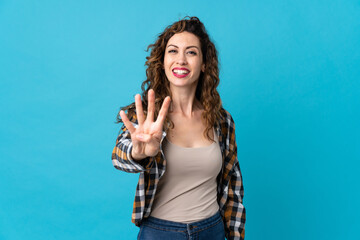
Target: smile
<point>180,72</point>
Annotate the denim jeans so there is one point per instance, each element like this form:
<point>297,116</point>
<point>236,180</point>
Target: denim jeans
<point>211,228</point>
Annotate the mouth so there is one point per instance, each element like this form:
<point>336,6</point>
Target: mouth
<point>180,72</point>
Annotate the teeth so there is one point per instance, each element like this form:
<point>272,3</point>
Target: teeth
<point>181,71</point>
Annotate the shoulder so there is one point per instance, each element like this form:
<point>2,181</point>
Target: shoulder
<point>226,118</point>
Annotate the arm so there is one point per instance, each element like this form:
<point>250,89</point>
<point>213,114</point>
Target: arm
<point>121,155</point>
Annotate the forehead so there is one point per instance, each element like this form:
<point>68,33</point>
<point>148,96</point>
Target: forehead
<point>184,39</point>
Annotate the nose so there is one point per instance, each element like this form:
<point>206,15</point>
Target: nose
<point>181,60</point>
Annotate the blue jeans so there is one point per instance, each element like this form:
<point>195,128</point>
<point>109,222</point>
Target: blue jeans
<point>211,228</point>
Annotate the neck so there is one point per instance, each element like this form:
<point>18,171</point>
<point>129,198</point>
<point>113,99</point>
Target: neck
<point>184,101</point>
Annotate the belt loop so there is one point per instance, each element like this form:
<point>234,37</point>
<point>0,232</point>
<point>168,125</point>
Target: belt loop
<point>188,230</point>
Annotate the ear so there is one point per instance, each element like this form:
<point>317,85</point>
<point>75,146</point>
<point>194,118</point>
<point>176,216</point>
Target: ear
<point>203,67</point>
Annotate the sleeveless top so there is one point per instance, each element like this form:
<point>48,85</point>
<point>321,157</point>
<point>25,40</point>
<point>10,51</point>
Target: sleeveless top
<point>187,192</point>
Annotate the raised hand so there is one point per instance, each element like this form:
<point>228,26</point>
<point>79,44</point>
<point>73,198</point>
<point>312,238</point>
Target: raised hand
<point>147,136</point>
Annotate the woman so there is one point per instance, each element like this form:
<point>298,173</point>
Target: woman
<point>182,142</point>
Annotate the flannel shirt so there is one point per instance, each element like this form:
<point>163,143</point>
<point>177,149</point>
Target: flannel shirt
<point>230,190</point>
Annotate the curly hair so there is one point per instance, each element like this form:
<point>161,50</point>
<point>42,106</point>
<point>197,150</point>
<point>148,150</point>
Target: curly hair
<point>206,92</point>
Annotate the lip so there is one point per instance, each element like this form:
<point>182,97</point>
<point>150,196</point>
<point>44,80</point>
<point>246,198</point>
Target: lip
<point>180,75</point>
<point>181,69</point>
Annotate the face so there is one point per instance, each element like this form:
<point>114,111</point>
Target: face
<point>183,60</point>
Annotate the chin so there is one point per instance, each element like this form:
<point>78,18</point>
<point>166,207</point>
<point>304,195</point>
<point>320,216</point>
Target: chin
<point>181,82</point>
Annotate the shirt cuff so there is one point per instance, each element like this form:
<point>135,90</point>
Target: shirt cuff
<point>138,164</point>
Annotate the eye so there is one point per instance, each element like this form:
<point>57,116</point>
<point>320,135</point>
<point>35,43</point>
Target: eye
<point>172,51</point>
<point>192,52</point>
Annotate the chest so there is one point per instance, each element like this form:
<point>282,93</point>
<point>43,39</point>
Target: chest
<point>189,133</point>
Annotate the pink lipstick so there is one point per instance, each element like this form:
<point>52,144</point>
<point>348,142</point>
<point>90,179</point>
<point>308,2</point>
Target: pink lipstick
<point>180,72</point>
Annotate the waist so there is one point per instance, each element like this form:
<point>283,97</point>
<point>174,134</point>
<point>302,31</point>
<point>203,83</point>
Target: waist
<point>171,225</point>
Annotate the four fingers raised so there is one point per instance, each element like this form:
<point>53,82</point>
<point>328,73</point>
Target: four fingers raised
<point>151,109</point>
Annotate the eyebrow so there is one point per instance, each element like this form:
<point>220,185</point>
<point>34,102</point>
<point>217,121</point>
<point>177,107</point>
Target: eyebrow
<point>186,47</point>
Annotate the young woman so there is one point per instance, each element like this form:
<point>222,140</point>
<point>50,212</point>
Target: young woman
<point>182,142</point>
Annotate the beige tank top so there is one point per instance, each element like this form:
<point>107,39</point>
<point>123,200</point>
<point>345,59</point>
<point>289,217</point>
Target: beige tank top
<point>187,192</point>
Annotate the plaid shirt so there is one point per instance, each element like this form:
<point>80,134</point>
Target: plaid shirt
<point>230,190</point>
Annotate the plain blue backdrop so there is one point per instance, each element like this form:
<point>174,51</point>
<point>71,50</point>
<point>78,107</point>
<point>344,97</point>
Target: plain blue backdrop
<point>290,76</point>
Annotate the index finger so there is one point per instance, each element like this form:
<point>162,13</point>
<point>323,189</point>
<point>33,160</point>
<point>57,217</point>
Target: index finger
<point>139,109</point>
<point>127,122</point>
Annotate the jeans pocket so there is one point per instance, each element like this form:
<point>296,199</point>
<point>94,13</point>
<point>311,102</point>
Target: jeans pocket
<point>140,231</point>
<point>215,232</point>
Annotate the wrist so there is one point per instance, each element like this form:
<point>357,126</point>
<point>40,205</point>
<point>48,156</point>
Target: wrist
<point>136,157</point>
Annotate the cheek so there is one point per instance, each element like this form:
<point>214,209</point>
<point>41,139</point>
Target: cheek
<point>197,66</point>
<point>167,61</point>
<point>167,66</point>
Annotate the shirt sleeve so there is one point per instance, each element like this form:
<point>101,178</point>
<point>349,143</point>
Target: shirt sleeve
<point>235,210</point>
<point>235,214</point>
<point>121,155</point>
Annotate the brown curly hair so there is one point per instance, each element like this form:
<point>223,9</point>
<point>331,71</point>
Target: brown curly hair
<point>206,92</point>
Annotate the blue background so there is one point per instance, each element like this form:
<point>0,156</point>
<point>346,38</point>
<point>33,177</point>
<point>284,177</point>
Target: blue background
<point>290,73</point>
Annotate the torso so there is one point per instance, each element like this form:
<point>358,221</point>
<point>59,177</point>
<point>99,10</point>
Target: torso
<point>189,132</point>
<point>187,191</point>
